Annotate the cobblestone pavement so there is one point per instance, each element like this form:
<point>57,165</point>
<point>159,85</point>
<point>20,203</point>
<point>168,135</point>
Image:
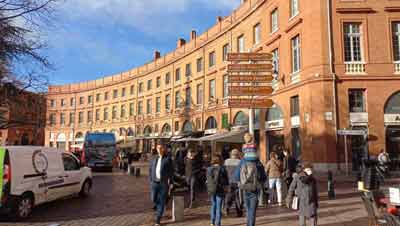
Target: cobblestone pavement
<point>121,200</point>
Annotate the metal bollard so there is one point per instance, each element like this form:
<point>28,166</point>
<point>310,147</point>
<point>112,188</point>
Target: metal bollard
<point>178,206</point>
<point>331,186</point>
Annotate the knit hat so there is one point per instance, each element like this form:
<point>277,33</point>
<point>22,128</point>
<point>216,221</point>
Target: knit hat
<point>250,152</point>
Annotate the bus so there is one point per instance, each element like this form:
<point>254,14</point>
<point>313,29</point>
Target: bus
<point>99,150</point>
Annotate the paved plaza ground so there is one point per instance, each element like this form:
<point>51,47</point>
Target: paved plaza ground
<point>122,200</point>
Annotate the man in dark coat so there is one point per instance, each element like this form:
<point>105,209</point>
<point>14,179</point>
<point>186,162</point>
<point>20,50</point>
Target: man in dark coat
<point>305,188</point>
<point>161,178</point>
<point>289,167</point>
<point>193,166</point>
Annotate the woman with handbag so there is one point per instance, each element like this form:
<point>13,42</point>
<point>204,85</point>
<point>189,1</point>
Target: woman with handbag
<point>303,196</point>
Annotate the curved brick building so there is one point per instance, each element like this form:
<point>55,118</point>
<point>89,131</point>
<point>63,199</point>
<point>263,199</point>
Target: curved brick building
<point>337,66</point>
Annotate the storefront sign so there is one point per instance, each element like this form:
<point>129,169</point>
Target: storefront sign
<point>249,56</point>
<point>392,119</point>
<point>249,68</point>
<point>275,124</point>
<point>250,90</point>
<point>250,78</point>
<point>359,118</point>
<point>210,131</point>
<point>295,121</point>
<point>345,132</point>
<point>250,103</point>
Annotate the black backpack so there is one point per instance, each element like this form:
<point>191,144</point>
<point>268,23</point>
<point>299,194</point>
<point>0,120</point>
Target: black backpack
<point>213,184</point>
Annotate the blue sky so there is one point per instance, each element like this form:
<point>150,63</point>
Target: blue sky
<point>96,38</point>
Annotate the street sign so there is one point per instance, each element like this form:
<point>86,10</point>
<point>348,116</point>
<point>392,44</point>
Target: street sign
<point>250,67</point>
<point>250,78</point>
<point>249,56</point>
<point>250,90</point>
<point>250,103</point>
<point>351,132</point>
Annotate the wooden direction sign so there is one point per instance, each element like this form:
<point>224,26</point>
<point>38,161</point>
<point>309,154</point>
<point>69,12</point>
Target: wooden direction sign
<point>250,78</point>
<point>250,103</point>
<point>249,56</point>
<point>250,90</point>
<point>249,68</point>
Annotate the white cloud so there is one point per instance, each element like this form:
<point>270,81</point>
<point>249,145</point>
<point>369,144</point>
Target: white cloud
<point>146,16</point>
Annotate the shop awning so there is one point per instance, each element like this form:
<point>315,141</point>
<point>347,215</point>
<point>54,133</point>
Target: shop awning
<point>225,137</point>
<point>188,139</point>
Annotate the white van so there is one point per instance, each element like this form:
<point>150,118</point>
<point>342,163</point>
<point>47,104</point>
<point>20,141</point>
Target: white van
<point>30,176</point>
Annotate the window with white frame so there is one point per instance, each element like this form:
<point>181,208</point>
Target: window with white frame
<point>396,40</point>
<point>240,44</point>
<point>352,42</point>
<point>177,99</point>
<point>295,54</point>
<point>167,102</point>
<point>199,64</point>
<point>212,89</point>
<point>225,51</point>
<point>158,104</point>
<point>294,7</point>
<point>199,94</point>
<point>226,87</point>
<point>105,114</point>
<point>140,107</point>
<point>274,20</point>
<point>148,106</point>
<point>257,34</point>
<point>211,59</point>
<point>275,61</point>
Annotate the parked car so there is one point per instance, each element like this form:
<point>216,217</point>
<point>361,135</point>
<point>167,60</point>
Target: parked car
<point>30,176</point>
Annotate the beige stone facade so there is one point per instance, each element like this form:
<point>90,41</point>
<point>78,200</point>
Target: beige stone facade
<point>317,91</point>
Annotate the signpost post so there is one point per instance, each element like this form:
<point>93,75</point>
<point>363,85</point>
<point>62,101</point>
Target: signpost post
<point>345,133</point>
<point>250,76</point>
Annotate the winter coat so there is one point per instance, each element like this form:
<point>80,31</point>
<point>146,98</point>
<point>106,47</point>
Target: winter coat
<point>289,166</point>
<point>274,168</point>
<point>223,180</point>
<point>305,188</point>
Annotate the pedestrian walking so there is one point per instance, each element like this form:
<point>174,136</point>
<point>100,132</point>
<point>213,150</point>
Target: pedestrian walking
<point>289,167</point>
<point>274,172</point>
<point>250,174</point>
<point>161,179</point>
<point>233,195</point>
<point>305,188</point>
<point>193,165</point>
<point>217,181</point>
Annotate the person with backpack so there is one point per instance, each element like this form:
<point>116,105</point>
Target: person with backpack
<point>217,181</point>
<point>250,174</point>
<point>304,189</point>
<point>274,172</point>
<point>233,196</point>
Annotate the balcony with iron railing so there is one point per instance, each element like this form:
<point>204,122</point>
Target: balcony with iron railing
<point>354,68</point>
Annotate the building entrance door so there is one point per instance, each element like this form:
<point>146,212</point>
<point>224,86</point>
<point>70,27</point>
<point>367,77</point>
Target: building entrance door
<point>393,145</point>
<point>275,142</point>
<point>296,143</point>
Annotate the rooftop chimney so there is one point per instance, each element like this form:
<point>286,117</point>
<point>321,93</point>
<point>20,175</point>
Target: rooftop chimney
<point>156,55</point>
<point>181,42</point>
<point>193,35</point>
<point>219,19</point>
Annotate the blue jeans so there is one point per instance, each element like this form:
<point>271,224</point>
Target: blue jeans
<point>251,202</point>
<point>159,196</point>
<point>216,209</point>
<point>276,183</point>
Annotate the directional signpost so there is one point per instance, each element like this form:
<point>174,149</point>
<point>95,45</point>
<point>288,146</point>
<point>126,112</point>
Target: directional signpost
<point>250,76</point>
